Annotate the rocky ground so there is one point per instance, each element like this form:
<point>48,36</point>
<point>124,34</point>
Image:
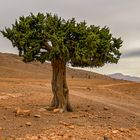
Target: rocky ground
<point>104,108</point>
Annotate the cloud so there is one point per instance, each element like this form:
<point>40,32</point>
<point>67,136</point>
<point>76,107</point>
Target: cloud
<point>132,53</point>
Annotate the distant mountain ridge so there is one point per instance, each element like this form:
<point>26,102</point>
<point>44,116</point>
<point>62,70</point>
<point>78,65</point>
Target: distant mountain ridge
<point>124,77</point>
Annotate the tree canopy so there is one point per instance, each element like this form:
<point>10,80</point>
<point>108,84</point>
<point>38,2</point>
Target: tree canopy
<point>44,37</point>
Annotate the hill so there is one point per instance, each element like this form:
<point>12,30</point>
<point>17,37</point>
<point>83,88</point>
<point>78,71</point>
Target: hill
<point>124,77</point>
<point>104,108</point>
<point>12,65</point>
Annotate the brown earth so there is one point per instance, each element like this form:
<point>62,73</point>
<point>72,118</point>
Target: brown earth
<point>104,108</point>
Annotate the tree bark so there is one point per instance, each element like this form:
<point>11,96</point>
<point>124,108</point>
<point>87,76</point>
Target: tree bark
<point>59,87</point>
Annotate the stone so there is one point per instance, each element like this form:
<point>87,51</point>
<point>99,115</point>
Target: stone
<point>106,108</point>
<point>71,127</point>
<point>52,134</point>
<point>122,130</point>
<point>64,123</point>
<point>21,112</point>
<point>28,124</point>
<point>56,110</point>
<point>133,129</point>
<point>37,116</point>
<point>115,131</point>
<point>41,109</point>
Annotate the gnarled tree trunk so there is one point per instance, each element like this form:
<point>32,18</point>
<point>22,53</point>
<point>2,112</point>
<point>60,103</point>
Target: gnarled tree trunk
<point>59,87</point>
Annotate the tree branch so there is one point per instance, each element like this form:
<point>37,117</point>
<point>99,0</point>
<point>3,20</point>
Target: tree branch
<point>47,46</point>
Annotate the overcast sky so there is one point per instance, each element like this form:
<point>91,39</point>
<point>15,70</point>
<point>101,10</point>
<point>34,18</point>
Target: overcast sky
<point>121,16</point>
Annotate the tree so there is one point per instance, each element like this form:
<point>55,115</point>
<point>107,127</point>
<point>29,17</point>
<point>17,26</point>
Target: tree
<point>44,37</point>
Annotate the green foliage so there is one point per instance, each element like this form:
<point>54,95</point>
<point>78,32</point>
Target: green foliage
<point>47,37</point>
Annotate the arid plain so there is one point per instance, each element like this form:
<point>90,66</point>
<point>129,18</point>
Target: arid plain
<point>104,108</point>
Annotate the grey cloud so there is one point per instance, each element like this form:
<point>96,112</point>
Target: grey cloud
<point>132,53</point>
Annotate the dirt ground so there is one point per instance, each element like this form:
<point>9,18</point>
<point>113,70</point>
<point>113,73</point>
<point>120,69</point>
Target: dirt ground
<point>104,108</point>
